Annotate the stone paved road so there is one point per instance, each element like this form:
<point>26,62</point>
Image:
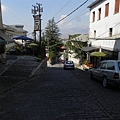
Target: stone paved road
<point>22,67</point>
<point>16,70</point>
<point>56,94</point>
<point>107,99</point>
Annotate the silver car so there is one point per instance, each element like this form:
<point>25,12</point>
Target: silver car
<point>69,65</point>
<point>108,72</point>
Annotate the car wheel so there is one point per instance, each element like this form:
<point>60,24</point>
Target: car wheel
<point>91,76</point>
<point>105,82</point>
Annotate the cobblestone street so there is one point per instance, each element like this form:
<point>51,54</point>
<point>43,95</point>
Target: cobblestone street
<point>17,70</point>
<point>58,94</point>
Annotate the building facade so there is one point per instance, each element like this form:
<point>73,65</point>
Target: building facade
<point>7,32</point>
<point>15,30</point>
<point>78,42</point>
<point>104,27</point>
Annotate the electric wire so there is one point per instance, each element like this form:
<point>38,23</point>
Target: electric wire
<point>62,7</point>
<point>74,18</point>
<point>55,14</point>
<point>72,12</point>
<point>108,30</point>
<point>17,17</point>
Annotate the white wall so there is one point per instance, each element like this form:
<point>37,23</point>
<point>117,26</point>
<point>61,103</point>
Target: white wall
<point>102,26</point>
<point>75,60</point>
<point>107,44</point>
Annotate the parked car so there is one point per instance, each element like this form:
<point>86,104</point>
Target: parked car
<point>69,65</point>
<point>108,72</point>
<point>63,61</point>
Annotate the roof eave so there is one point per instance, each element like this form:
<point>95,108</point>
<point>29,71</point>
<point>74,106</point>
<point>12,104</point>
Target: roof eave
<point>94,3</point>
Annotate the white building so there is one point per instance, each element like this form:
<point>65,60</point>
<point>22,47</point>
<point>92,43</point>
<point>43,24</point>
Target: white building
<point>83,38</point>
<point>104,27</point>
<point>7,32</point>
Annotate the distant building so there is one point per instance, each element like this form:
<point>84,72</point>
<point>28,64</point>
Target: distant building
<point>15,30</point>
<point>104,27</point>
<point>83,39</point>
<point>7,32</point>
<point>64,41</point>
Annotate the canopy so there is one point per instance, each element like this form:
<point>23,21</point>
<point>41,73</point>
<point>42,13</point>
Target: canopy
<point>97,54</point>
<point>22,38</point>
<point>2,41</point>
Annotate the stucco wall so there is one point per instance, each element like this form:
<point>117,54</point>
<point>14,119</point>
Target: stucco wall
<point>102,26</point>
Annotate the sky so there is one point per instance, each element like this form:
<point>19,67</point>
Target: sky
<point>18,12</point>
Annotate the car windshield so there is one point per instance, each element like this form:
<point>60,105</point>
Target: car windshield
<point>69,62</point>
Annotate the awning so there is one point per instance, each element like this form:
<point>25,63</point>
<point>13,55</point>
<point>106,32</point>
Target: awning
<point>22,38</point>
<point>89,49</point>
<point>5,37</point>
<point>97,54</point>
<point>3,41</point>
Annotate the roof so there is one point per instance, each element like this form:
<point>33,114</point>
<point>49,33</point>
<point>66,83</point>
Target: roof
<point>82,38</point>
<point>6,27</point>
<point>5,37</point>
<point>94,3</point>
<point>14,28</point>
<point>88,49</point>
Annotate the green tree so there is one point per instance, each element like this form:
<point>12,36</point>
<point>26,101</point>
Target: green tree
<point>75,46</point>
<point>52,36</point>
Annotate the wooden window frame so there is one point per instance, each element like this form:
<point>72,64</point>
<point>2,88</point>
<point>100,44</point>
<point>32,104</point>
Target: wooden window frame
<point>117,5</point>
<point>99,14</point>
<point>93,17</point>
<point>106,9</point>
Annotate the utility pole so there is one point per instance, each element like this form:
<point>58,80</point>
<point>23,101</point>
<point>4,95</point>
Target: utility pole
<point>40,9</point>
<point>34,12</point>
<point>37,21</point>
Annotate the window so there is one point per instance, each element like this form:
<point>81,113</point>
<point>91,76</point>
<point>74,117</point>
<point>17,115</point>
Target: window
<point>103,65</point>
<point>106,9</point>
<point>117,6</point>
<point>99,13</point>
<point>93,16</point>
<point>110,32</point>
<point>111,66</point>
<point>94,33</point>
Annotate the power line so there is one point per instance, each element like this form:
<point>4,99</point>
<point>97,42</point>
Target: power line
<point>17,17</point>
<point>63,7</point>
<point>74,18</point>
<point>71,12</point>
<point>108,30</point>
